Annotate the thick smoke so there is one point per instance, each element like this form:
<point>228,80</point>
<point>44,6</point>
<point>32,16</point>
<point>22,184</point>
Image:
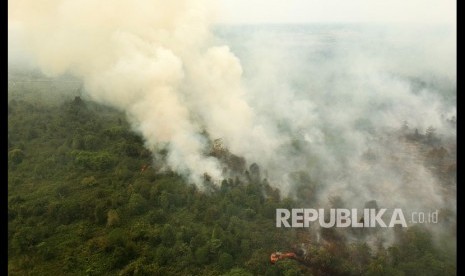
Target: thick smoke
<point>154,60</point>
<point>346,95</point>
<point>307,104</point>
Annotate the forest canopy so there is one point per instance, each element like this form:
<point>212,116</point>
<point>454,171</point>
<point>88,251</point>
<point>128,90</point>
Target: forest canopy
<point>86,198</point>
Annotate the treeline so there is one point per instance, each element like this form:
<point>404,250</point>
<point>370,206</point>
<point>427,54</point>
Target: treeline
<point>84,198</point>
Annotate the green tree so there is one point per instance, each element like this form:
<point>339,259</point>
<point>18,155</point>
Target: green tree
<point>16,156</point>
<point>238,272</point>
<point>225,260</point>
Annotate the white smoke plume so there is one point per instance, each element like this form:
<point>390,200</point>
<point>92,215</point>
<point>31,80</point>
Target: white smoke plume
<point>342,94</point>
<point>299,100</point>
<point>156,61</point>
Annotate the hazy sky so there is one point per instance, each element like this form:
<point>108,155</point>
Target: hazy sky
<point>298,11</point>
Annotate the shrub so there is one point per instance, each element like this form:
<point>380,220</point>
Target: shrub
<point>113,218</point>
<point>16,156</point>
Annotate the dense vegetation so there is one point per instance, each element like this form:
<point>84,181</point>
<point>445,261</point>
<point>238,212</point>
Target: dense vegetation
<point>80,203</point>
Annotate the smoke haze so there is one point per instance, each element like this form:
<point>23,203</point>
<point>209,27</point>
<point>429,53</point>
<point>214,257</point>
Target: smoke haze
<point>153,60</point>
<point>297,100</point>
